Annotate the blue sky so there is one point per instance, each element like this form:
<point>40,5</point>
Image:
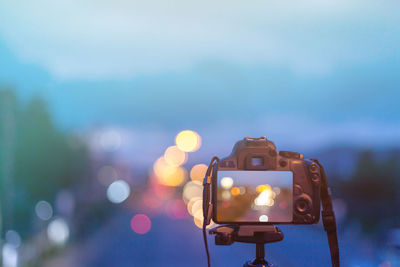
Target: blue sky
<point>321,71</point>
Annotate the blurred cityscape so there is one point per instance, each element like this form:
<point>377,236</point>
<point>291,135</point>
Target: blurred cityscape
<point>110,112</point>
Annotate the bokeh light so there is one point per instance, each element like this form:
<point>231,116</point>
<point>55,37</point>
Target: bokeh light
<point>118,191</point>
<point>198,172</point>
<point>169,175</point>
<point>13,238</point>
<point>199,222</point>
<point>191,190</point>
<point>174,156</point>
<point>263,218</point>
<point>226,195</point>
<point>188,141</point>
<point>277,190</point>
<point>263,187</point>
<point>58,231</point>
<point>44,210</point>
<point>264,199</point>
<point>9,256</point>
<point>227,182</point>
<point>196,208</point>
<point>235,191</point>
<point>141,224</point>
<point>193,202</point>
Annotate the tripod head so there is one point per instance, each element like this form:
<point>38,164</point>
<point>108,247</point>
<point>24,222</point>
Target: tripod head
<point>257,234</point>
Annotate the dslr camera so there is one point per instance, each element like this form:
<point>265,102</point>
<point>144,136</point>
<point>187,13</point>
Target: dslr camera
<point>256,184</point>
<point>256,187</point>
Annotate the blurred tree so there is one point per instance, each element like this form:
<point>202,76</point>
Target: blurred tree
<point>372,193</point>
<point>46,160</point>
<point>7,153</point>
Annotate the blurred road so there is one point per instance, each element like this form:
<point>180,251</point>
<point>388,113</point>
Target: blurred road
<point>180,243</point>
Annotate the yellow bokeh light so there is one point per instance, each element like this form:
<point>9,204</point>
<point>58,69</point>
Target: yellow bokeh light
<point>198,213</point>
<point>199,223</point>
<point>192,206</point>
<point>235,191</point>
<point>188,141</point>
<point>169,175</point>
<point>162,168</point>
<point>198,172</point>
<point>174,156</point>
<point>227,182</point>
<point>263,187</point>
<point>191,190</point>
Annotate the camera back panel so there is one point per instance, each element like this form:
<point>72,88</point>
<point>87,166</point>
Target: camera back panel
<point>258,185</point>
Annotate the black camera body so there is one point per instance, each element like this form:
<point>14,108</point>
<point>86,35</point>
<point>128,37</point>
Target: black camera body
<point>260,154</point>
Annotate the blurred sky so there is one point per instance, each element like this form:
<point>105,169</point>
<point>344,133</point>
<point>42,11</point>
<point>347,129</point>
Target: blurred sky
<point>308,73</point>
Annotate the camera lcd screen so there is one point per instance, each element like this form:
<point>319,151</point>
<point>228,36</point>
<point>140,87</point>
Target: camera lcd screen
<point>254,196</point>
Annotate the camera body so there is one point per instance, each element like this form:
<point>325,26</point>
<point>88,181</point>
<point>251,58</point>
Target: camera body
<point>260,154</point>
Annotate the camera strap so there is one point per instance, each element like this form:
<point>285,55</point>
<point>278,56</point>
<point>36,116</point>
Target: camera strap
<point>328,217</point>
<point>207,206</point>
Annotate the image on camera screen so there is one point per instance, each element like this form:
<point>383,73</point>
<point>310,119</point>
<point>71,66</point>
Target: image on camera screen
<point>255,196</point>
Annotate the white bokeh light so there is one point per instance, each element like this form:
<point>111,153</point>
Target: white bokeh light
<point>118,191</point>
<point>44,210</point>
<point>263,218</point>
<point>13,238</point>
<point>227,182</point>
<point>9,255</point>
<point>58,231</point>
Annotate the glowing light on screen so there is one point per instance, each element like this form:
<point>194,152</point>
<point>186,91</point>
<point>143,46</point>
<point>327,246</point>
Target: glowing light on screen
<point>169,175</point>
<point>264,199</point>
<point>264,187</point>
<point>58,231</point>
<point>9,255</point>
<point>118,191</point>
<point>106,175</point>
<point>235,191</point>
<point>226,195</point>
<point>44,210</point>
<point>227,182</point>
<point>277,190</point>
<point>198,172</point>
<point>188,141</point>
<point>191,190</point>
<point>242,190</point>
<point>174,156</point>
<point>263,218</point>
<point>141,224</point>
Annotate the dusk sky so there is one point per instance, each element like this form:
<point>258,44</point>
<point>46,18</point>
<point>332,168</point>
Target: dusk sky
<point>318,73</point>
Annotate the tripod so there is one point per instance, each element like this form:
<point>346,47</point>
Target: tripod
<point>257,234</point>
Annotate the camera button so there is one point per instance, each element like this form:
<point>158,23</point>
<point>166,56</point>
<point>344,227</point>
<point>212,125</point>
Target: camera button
<point>289,154</point>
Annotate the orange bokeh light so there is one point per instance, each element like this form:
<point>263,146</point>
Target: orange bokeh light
<point>235,191</point>
<point>198,172</point>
